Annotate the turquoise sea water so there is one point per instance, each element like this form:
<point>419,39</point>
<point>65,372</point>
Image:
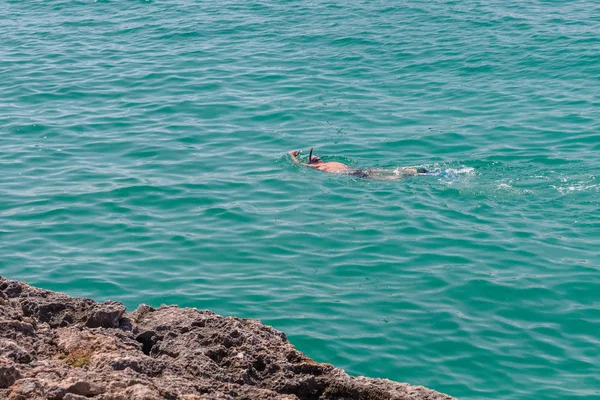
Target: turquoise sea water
<point>143,158</point>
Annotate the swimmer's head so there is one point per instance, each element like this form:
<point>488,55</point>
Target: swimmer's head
<point>315,160</point>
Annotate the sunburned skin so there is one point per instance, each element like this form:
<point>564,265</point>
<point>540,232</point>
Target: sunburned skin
<point>372,173</point>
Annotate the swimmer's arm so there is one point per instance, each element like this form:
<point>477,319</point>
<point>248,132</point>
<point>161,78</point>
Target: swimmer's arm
<point>294,154</point>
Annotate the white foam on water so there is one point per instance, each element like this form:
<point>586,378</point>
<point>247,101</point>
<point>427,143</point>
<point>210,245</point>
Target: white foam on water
<point>460,171</point>
<point>576,188</point>
<point>572,186</point>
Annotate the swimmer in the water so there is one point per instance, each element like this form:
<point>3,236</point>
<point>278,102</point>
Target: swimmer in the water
<point>372,173</point>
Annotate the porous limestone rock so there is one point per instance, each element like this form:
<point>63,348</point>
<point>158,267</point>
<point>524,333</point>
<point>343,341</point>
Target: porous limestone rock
<point>53,346</point>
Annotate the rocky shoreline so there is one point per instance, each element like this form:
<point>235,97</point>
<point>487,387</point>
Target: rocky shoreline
<point>53,346</point>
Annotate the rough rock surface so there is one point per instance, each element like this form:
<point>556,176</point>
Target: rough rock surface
<point>53,346</point>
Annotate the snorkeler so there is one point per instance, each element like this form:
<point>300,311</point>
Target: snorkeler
<point>339,168</point>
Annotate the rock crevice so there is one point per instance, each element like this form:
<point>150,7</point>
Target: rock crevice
<point>53,346</point>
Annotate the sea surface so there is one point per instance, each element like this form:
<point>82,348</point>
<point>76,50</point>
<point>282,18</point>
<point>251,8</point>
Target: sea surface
<point>143,158</point>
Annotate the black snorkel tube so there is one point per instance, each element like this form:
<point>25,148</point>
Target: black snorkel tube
<point>310,155</point>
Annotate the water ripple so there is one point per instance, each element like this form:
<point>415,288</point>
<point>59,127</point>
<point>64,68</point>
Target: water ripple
<point>144,160</point>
